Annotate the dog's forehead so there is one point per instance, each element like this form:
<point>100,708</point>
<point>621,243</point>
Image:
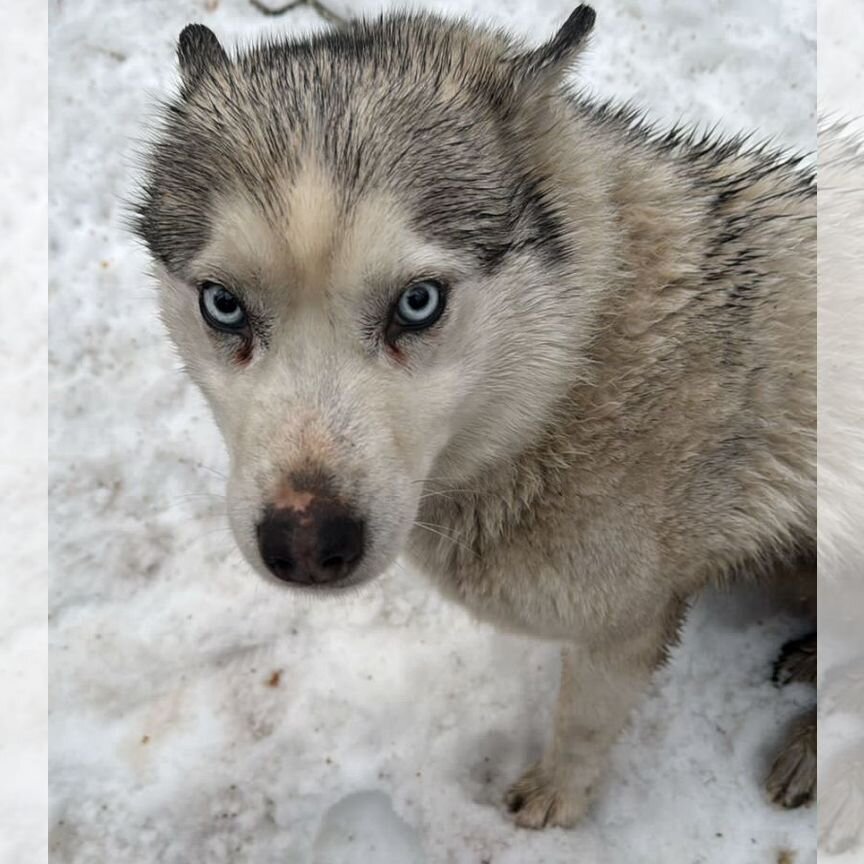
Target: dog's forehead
<point>347,185</point>
<point>317,240</point>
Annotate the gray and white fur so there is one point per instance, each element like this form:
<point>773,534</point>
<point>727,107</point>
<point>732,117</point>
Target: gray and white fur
<point>615,406</point>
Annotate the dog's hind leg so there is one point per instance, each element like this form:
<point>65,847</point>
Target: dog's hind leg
<point>792,779</point>
<point>797,661</point>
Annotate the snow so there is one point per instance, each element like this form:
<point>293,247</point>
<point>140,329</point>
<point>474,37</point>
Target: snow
<point>199,715</point>
<point>841,691</point>
<point>23,460</point>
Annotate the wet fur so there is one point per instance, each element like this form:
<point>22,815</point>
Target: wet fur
<point>618,408</point>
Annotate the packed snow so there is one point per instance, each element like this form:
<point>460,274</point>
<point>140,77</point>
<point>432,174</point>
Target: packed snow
<point>23,423</point>
<point>199,715</point>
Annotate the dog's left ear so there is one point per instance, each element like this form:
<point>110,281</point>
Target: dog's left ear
<point>554,58</point>
<point>198,51</point>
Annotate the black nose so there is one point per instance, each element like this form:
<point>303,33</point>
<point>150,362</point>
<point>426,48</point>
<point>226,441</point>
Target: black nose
<point>319,544</point>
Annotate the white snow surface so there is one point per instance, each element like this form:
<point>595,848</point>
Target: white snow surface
<point>23,423</point>
<point>841,606</point>
<point>199,715</point>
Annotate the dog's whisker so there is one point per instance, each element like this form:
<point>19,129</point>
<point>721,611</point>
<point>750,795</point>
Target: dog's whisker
<point>221,531</point>
<point>196,496</point>
<point>218,473</point>
<point>428,495</point>
<point>438,529</point>
<point>448,492</point>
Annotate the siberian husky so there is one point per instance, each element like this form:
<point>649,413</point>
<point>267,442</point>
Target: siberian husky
<point>443,306</point>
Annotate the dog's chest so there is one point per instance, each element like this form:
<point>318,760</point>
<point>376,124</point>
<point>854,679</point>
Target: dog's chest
<point>534,586</point>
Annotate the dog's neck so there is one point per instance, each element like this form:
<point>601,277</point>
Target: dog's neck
<point>633,235</point>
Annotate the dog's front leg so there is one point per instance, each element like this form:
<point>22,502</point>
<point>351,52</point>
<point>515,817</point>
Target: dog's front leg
<point>598,690</point>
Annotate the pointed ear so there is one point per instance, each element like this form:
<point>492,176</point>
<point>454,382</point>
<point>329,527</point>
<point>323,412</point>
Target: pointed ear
<point>198,50</point>
<point>556,56</point>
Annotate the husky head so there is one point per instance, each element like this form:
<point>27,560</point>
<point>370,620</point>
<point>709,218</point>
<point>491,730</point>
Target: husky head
<point>368,265</point>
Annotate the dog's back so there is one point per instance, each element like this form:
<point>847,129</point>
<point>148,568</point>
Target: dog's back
<point>709,353</point>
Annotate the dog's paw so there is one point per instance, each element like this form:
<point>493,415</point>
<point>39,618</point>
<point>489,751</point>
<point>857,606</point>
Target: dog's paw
<point>539,800</point>
<point>797,662</point>
<point>792,779</point>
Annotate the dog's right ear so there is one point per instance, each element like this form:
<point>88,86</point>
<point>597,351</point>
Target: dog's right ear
<point>198,51</point>
<point>552,59</point>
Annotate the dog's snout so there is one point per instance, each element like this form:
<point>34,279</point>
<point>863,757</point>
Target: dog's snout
<point>318,543</point>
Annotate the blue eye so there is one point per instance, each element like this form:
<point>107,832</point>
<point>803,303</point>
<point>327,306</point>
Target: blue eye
<point>420,305</point>
<point>221,309</point>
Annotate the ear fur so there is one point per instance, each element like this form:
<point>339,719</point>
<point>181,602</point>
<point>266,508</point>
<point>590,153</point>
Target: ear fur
<point>198,50</point>
<point>555,57</point>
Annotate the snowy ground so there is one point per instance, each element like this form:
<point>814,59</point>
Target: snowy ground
<point>200,717</point>
<point>841,602</point>
<point>23,421</point>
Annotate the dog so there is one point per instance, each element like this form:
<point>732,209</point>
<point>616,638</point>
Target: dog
<point>443,306</point>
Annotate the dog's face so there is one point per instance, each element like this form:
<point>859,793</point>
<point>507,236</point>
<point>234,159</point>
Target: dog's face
<point>361,264</point>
